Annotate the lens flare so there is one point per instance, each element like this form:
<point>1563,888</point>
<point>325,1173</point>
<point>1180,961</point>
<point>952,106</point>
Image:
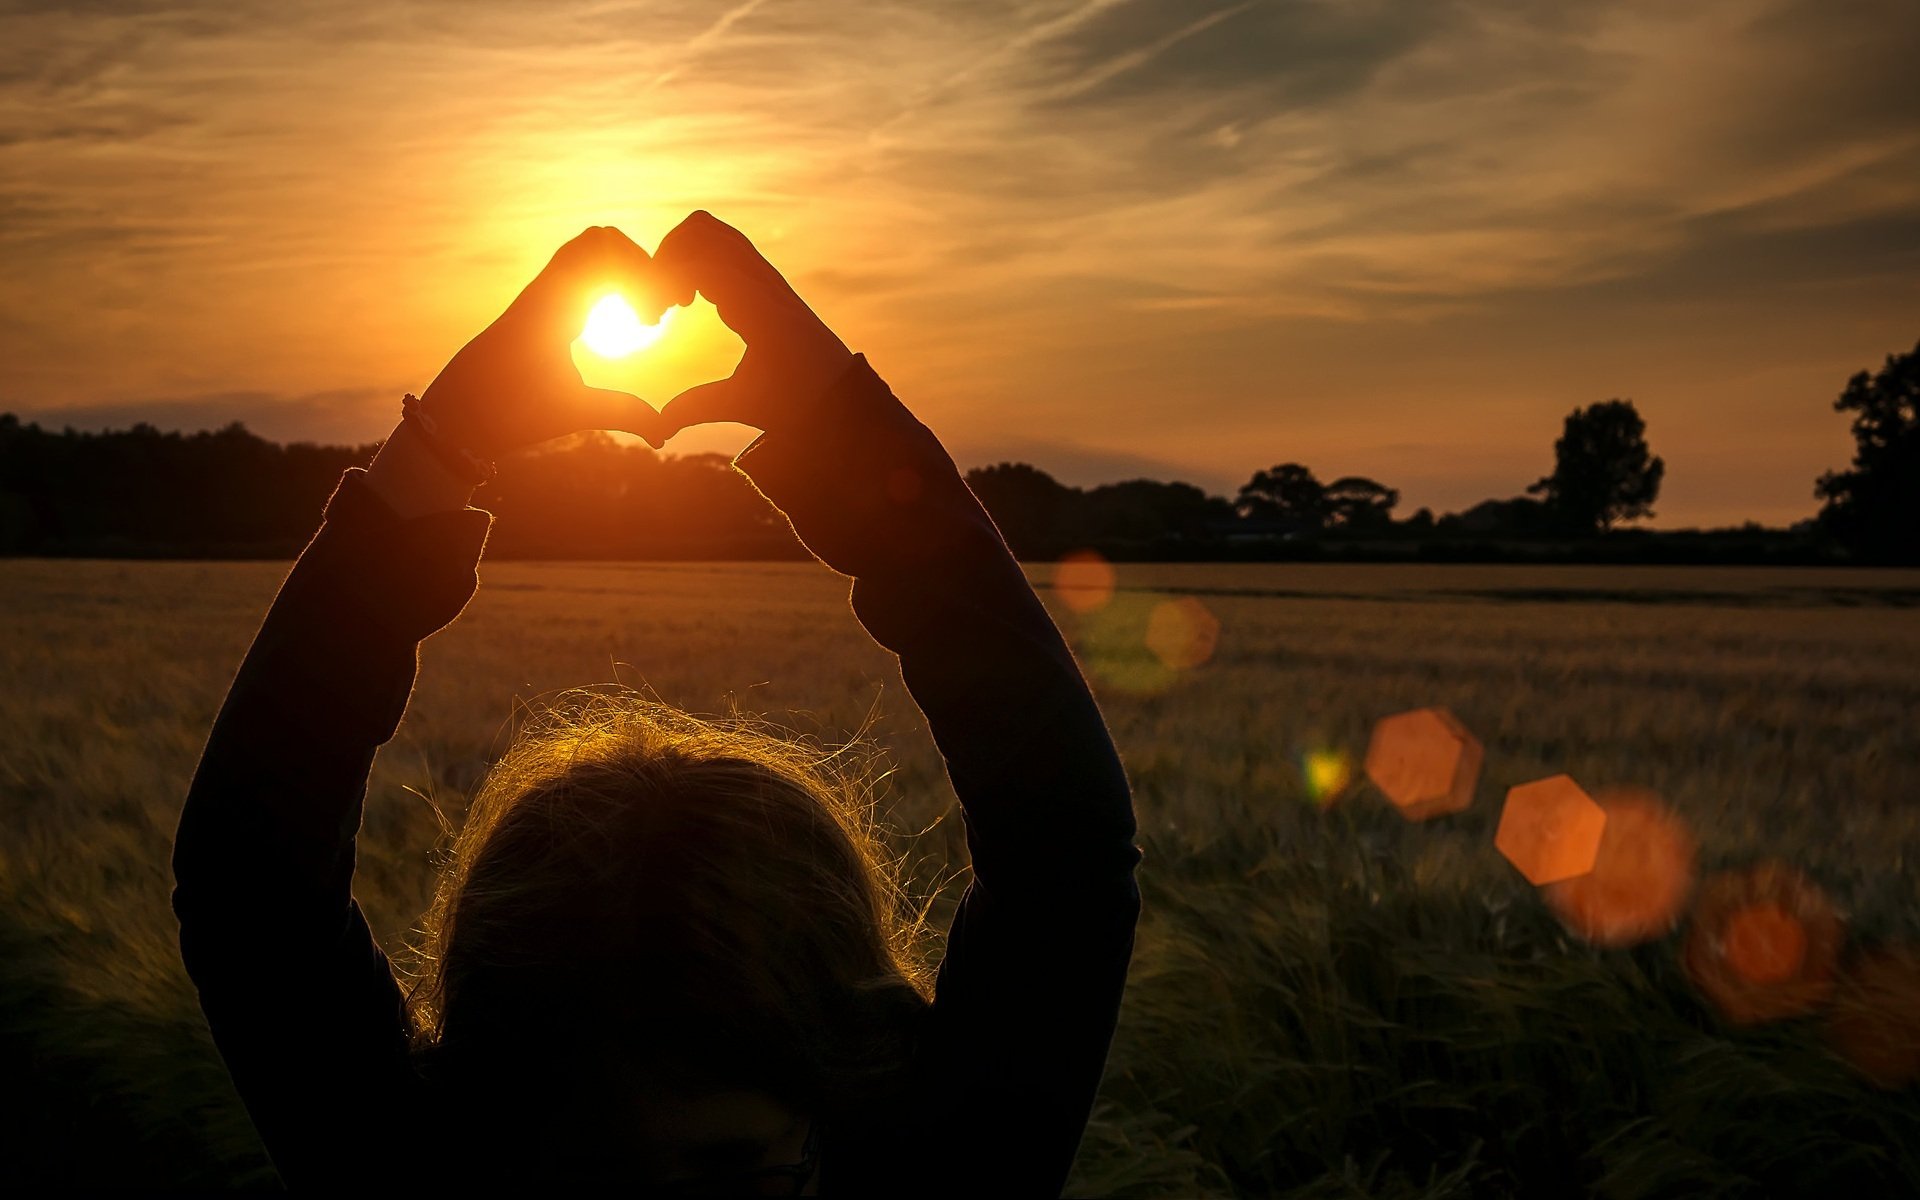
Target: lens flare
<point>1183,633</point>
<point>1327,774</point>
<point>614,330</point>
<point>1640,878</point>
<point>1550,830</point>
<point>1763,943</point>
<point>1084,581</point>
<point>1425,762</point>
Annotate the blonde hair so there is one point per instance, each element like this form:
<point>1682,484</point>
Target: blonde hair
<point>638,888</point>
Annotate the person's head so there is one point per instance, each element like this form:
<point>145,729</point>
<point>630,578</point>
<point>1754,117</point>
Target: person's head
<point>657,935</point>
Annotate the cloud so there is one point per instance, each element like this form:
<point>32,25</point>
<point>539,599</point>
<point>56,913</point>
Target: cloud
<point>1277,55</point>
<point>1086,201</point>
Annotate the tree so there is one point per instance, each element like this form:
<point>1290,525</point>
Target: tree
<point>1603,472</point>
<point>1026,503</point>
<point>1517,517</point>
<point>1146,510</point>
<point>1358,505</point>
<point>1288,493</point>
<point>1874,509</point>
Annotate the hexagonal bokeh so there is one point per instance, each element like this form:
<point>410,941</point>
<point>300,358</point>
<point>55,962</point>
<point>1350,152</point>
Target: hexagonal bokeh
<point>1763,943</point>
<point>1550,830</point>
<point>1640,878</point>
<point>1425,762</point>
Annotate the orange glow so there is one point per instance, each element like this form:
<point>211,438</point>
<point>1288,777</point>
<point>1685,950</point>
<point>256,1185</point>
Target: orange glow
<point>692,346</point>
<point>1640,877</point>
<point>614,330</point>
<point>1875,1024</point>
<point>1084,581</point>
<point>1183,633</point>
<point>1763,944</point>
<point>1425,762</point>
<point>1550,830</point>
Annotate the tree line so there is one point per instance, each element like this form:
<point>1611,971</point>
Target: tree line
<point>142,492</point>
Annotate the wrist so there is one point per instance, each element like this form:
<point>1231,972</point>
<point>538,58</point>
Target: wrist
<point>410,478</point>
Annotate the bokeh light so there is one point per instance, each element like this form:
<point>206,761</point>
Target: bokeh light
<point>1550,830</point>
<point>1763,943</point>
<point>1182,633</point>
<point>1875,1022</point>
<point>1641,875</point>
<point>1425,762</point>
<point>1327,774</point>
<point>1116,643</point>
<point>1084,581</point>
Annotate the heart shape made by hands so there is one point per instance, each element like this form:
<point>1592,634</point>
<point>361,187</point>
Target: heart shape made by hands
<point>690,345</point>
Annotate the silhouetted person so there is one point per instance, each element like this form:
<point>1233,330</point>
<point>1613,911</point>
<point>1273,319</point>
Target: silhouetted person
<point>664,953</point>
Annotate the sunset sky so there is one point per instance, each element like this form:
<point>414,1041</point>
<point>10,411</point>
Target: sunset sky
<point>1172,238</point>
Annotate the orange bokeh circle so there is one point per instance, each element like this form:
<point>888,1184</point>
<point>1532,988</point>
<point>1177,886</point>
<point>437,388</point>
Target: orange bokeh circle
<point>1764,943</point>
<point>1084,581</point>
<point>1640,879</point>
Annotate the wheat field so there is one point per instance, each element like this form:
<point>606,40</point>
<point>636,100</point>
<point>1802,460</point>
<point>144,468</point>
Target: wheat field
<point>1325,1000</point>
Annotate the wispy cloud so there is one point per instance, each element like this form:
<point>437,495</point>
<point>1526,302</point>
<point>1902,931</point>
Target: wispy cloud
<point>1299,224</point>
<point>705,38</point>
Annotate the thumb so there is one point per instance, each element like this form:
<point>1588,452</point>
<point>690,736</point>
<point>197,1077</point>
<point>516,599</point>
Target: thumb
<point>608,408</point>
<point>727,399</point>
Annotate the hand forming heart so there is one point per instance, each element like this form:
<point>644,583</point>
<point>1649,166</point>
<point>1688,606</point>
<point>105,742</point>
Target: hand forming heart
<point>516,384</point>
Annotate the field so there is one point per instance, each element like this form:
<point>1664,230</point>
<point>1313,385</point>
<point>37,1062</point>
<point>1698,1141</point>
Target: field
<point>1325,1001</point>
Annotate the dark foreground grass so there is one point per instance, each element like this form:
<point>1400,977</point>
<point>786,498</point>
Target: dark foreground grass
<point>1323,1003</point>
<point>1304,1029</point>
<point>1303,1019</point>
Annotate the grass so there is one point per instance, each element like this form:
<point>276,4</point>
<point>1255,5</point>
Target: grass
<point>1323,1002</point>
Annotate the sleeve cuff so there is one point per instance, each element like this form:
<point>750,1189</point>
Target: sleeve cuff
<point>413,576</point>
<point>867,487</point>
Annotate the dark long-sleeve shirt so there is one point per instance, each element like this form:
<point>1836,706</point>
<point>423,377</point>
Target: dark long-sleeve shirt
<point>306,1010</point>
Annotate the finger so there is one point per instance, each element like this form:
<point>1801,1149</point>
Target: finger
<point>742,305</point>
<point>703,236</point>
<point>727,400</point>
<point>609,408</point>
<point>706,254</point>
<point>600,260</point>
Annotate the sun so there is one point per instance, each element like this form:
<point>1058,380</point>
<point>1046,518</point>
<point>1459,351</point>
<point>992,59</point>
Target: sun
<point>614,330</point>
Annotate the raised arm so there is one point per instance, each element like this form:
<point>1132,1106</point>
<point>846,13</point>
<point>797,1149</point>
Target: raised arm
<point>1029,991</point>
<point>300,999</point>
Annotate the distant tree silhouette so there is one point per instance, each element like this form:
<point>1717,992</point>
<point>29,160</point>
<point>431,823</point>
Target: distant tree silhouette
<point>1603,470</point>
<point>1517,517</point>
<point>1874,509</point>
<point>1356,504</point>
<point>1027,504</point>
<point>1287,494</point>
<point>1042,518</point>
<point>229,493</point>
<point>142,492</point>
<point>1146,510</point>
<point>588,496</point>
